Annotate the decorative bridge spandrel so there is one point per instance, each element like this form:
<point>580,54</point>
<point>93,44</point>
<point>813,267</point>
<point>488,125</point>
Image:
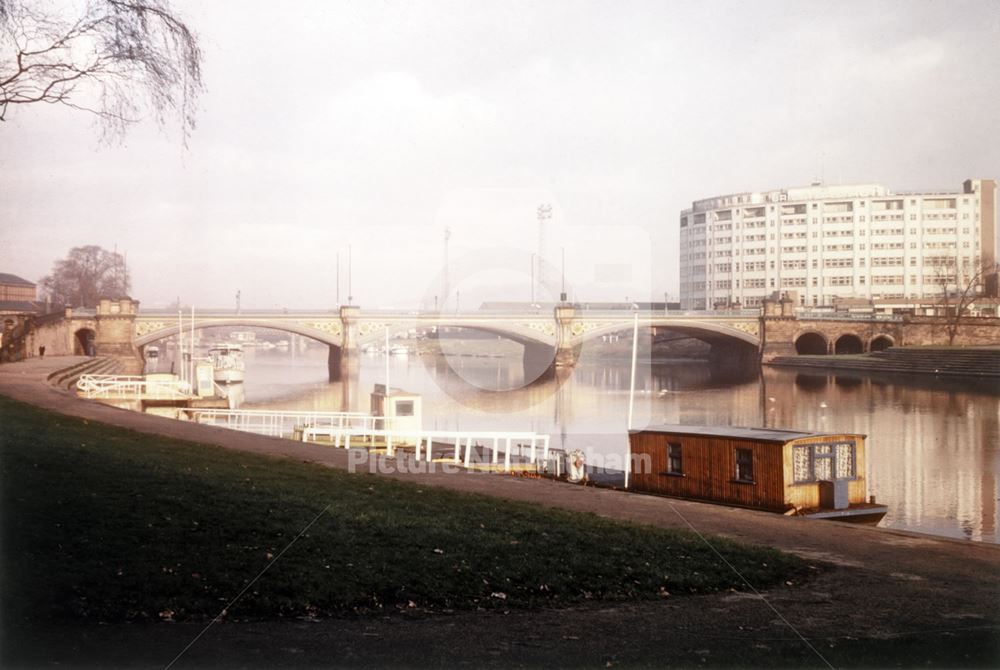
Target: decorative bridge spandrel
<point>564,328</point>
<point>326,328</point>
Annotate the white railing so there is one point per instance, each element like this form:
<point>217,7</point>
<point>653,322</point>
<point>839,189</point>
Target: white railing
<point>131,386</point>
<point>347,429</point>
<point>462,443</point>
<point>277,423</point>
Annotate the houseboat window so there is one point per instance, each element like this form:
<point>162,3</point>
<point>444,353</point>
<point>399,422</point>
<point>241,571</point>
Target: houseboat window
<point>845,461</point>
<point>404,408</point>
<point>802,464</point>
<point>744,465</point>
<point>675,462</point>
<point>823,462</point>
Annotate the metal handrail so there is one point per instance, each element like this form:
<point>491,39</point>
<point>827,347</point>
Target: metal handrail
<point>462,442</point>
<point>123,386</point>
<point>278,423</point>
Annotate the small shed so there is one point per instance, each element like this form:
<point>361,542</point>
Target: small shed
<point>402,410</point>
<point>763,468</point>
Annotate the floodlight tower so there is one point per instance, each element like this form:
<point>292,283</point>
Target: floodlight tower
<point>445,288</point>
<point>544,214</point>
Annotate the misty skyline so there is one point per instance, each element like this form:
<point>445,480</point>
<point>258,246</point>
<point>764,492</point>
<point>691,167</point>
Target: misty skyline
<point>380,126</point>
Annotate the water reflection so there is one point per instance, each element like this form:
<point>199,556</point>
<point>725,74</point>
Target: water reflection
<point>933,444</point>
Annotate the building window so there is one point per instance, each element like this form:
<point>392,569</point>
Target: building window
<point>404,408</point>
<point>744,465</point>
<point>675,461</point>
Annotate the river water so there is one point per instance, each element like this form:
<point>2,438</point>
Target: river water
<point>933,446</point>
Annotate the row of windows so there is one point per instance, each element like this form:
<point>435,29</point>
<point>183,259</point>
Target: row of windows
<point>801,264</point>
<point>823,462</point>
<point>810,463</point>
<point>842,206</point>
<point>744,462</point>
<point>881,232</point>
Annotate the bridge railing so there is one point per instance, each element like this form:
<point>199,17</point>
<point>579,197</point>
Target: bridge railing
<point>131,386</point>
<point>846,316</point>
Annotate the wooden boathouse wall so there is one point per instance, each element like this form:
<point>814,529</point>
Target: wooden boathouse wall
<point>709,470</point>
<point>806,495</point>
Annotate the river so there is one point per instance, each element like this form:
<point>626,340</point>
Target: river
<point>933,447</point>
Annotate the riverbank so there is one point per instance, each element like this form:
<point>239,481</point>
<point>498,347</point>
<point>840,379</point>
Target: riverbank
<point>868,605</point>
<point>972,362</point>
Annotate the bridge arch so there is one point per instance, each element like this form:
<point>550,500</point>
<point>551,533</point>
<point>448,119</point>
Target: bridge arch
<point>848,343</point>
<point>811,343</point>
<point>881,343</point>
<point>288,327</point>
<point>375,332</point>
<point>707,332</point>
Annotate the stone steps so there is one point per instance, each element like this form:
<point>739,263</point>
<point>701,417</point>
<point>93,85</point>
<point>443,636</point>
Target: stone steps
<point>67,377</point>
<point>920,360</point>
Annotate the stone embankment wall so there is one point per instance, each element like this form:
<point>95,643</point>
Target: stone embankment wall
<point>781,332</point>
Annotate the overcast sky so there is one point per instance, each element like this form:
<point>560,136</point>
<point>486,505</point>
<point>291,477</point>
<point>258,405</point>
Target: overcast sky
<point>380,124</point>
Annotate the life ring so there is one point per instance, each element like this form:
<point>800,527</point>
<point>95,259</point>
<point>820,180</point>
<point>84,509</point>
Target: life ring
<point>577,470</point>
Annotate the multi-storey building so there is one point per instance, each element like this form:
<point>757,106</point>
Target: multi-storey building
<point>824,242</point>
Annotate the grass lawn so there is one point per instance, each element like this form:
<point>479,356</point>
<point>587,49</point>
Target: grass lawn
<point>106,524</point>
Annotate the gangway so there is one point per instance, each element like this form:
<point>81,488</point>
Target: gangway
<point>347,429</point>
<point>462,442</point>
<point>132,386</point>
<point>284,423</point>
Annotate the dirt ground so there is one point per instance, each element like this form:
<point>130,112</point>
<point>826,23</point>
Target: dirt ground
<point>880,598</point>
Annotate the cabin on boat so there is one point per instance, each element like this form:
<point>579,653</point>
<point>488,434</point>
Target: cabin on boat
<point>401,410</point>
<point>818,474</point>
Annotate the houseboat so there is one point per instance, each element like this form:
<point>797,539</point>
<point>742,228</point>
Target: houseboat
<point>227,362</point>
<point>820,475</point>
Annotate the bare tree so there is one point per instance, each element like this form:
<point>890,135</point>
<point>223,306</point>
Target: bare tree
<point>116,60</point>
<point>86,275</point>
<point>959,288</point>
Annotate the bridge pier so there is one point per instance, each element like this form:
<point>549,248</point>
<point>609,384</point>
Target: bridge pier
<point>342,364</point>
<point>539,362</point>
<point>566,354</point>
<point>343,361</point>
<point>733,355</point>
<point>777,329</point>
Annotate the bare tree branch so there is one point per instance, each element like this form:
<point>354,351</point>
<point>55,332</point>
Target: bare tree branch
<point>86,275</point>
<point>959,287</point>
<point>119,60</point>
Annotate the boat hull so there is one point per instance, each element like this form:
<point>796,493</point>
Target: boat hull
<point>867,514</point>
<point>228,376</point>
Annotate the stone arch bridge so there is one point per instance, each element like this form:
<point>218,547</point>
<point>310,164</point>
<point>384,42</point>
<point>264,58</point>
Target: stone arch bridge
<point>551,338</point>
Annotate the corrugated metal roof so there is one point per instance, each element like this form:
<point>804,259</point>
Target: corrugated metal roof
<point>21,306</point>
<point>14,279</point>
<point>763,434</point>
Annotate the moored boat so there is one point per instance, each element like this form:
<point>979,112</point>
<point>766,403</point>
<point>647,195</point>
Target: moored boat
<point>816,475</point>
<point>227,362</point>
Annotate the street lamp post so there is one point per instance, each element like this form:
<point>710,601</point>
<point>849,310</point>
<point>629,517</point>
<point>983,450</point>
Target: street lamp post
<point>350,269</point>
<point>562,292</point>
<point>533,278</point>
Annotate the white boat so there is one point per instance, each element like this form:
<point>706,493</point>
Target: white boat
<point>227,362</point>
<point>152,351</point>
<point>399,351</point>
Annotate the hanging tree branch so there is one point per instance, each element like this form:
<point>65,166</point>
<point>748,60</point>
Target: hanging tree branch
<point>119,59</point>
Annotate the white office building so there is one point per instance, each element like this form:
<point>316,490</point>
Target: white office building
<point>824,242</point>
